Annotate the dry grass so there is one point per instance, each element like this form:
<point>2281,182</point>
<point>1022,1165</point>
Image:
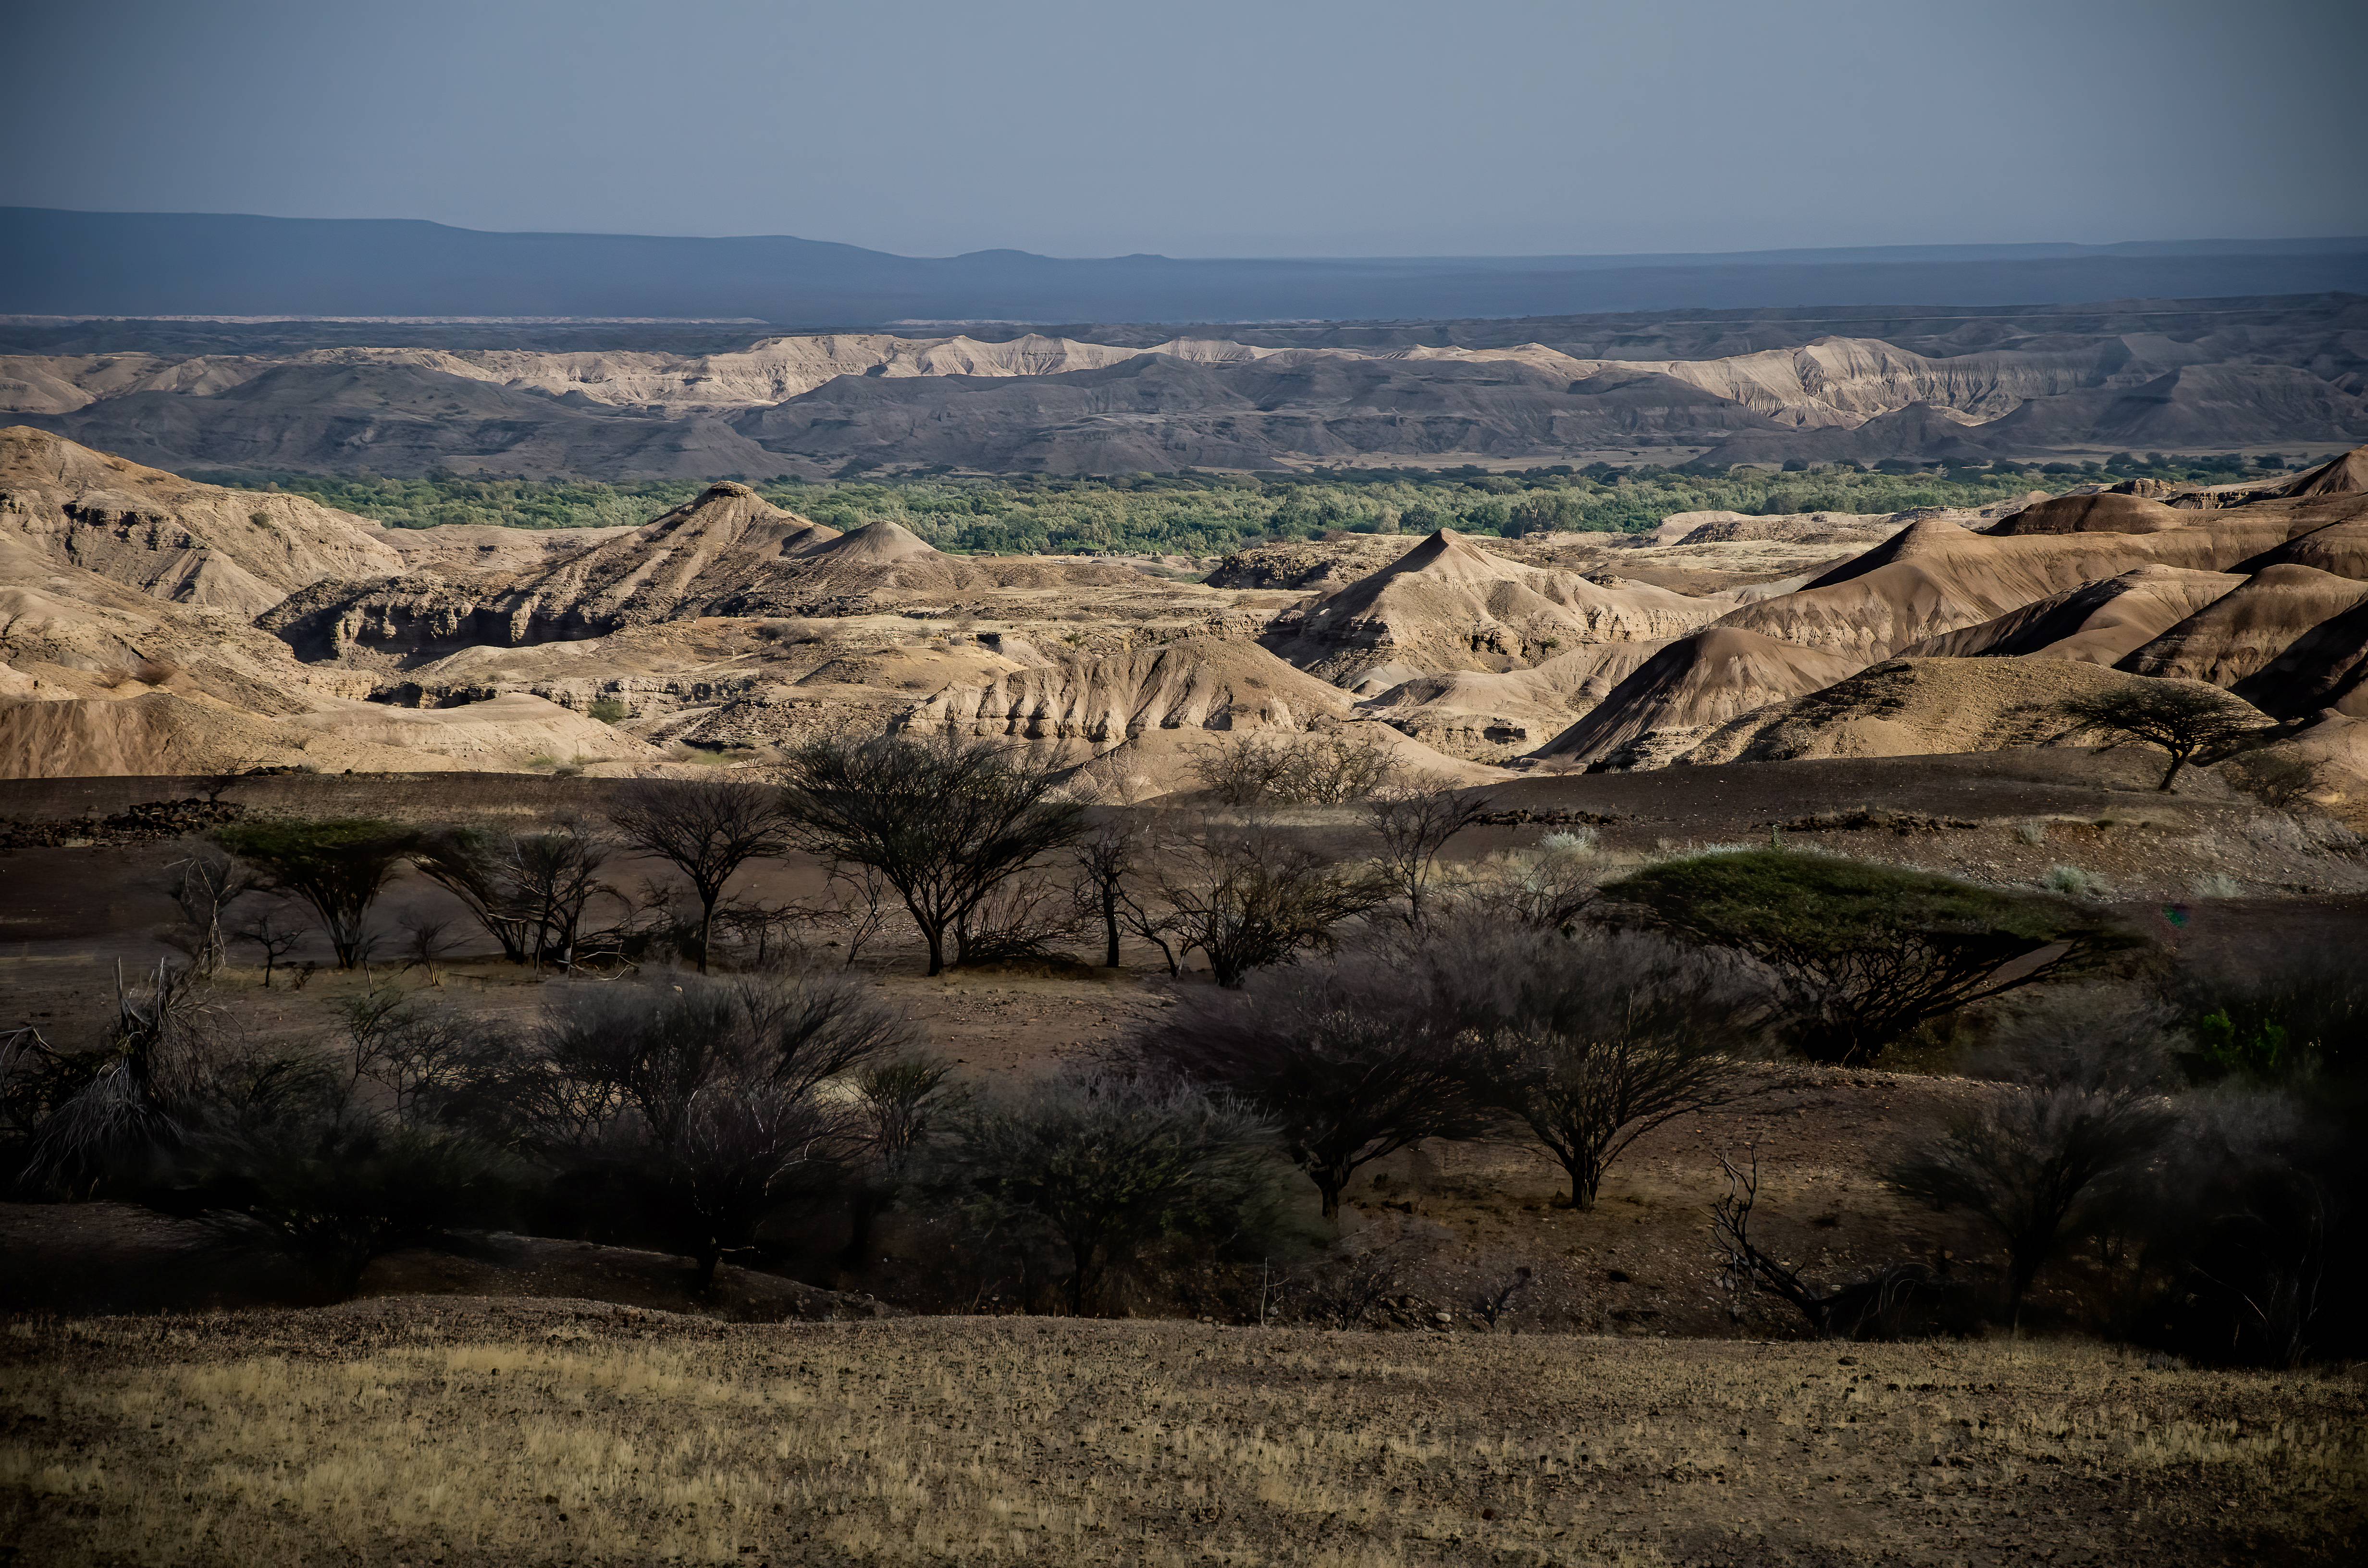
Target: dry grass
<point>473,1432</point>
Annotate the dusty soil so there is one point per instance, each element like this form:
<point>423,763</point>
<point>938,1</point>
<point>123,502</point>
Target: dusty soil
<point>1449,1221</point>
<point>489,1431</point>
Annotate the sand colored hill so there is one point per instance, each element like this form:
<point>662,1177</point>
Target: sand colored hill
<point>732,626</point>
<point>2103,513</point>
<point>1916,708</point>
<point>168,732</point>
<point>1206,683</point>
<point>1693,684</point>
<point>2325,668</point>
<point>2341,546</point>
<point>725,552</point>
<point>723,543</point>
<point>2240,634</point>
<point>1934,578</point>
<point>465,550</point>
<point>80,634</point>
<point>188,544</point>
<point>1448,605</point>
<point>2099,623</point>
<point>2346,475</point>
<point>1477,714</point>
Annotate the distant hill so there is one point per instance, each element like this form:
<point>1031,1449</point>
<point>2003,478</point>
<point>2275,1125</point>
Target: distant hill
<point>2144,376</point>
<point>132,264</point>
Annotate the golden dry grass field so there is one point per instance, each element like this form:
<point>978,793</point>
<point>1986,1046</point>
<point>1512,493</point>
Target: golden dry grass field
<point>472,1431</point>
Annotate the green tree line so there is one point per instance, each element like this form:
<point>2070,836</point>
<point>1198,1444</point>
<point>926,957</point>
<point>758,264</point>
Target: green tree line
<point>1197,512</point>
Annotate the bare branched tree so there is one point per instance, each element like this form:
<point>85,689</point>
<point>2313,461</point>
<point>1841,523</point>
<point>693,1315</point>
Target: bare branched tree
<point>861,904</point>
<point>473,865</point>
<point>1414,821</point>
<point>740,1148</point>
<point>551,879</point>
<point>204,884</point>
<point>1352,1061</point>
<point>2077,1110</point>
<point>276,932</point>
<point>946,820</point>
<point>1864,1309</point>
<point>1250,897</point>
<point>1108,857</point>
<point>1588,1043</point>
<point>428,941</point>
<point>707,829</point>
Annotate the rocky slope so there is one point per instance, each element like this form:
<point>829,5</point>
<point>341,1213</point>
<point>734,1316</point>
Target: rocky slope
<point>806,405</point>
<point>728,628</point>
<point>1447,604</point>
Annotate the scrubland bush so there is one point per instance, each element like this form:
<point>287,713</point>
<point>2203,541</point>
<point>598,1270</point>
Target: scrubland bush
<point>692,1116</point>
<point>2280,780</point>
<point>2075,881</point>
<point>1299,768</point>
<point>1549,888</point>
<point>1350,1061</point>
<point>2077,1118</point>
<point>1247,897</point>
<point>1103,1166</point>
<point>1587,1043</point>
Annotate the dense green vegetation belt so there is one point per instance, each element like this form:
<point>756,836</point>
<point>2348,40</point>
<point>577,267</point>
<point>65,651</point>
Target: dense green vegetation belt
<point>1209,514</point>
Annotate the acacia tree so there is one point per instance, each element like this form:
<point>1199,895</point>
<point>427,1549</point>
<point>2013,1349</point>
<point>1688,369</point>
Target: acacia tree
<point>946,820</point>
<point>1860,954</point>
<point>1589,1043</point>
<point>707,829</point>
<point>1351,1063</point>
<point>2185,719</point>
<point>339,868</point>
<point>1250,897</point>
<point>472,864</point>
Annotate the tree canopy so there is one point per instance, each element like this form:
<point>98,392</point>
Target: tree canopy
<point>1861,954</point>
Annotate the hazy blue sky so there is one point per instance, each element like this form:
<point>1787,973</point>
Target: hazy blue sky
<point>1376,127</point>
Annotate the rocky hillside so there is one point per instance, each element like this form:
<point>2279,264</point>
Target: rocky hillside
<point>727,627</point>
<point>2288,373</point>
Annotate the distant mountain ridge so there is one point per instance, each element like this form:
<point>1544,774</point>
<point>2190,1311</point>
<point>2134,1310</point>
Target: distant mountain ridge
<point>55,262</point>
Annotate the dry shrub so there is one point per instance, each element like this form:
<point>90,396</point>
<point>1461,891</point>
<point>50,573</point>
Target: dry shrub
<point>1328,768</point>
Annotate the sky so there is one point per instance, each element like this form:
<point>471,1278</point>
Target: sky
<point>1212,128</point>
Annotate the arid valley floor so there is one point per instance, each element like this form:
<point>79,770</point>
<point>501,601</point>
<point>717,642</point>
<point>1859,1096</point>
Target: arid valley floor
<point>1526,1382</point>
